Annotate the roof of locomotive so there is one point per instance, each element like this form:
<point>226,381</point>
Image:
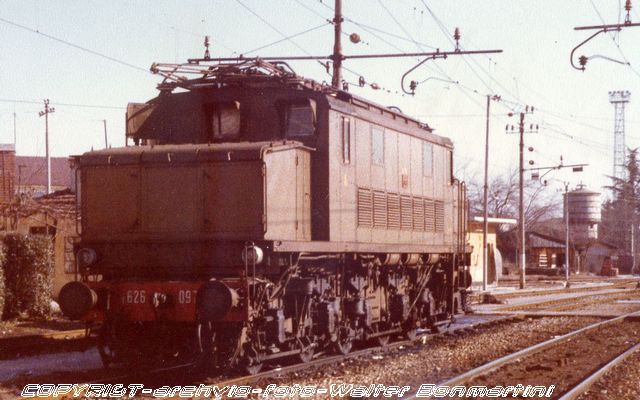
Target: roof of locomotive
<point>257,73</point>
<point>186,153</point>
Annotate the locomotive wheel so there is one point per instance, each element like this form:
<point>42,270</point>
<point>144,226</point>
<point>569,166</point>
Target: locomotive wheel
<point>411,334</point>
<point>382,341</point>
<point>344,343</point>
<point>251,361</point>
<point>253,367</point>
<point>306,353</point>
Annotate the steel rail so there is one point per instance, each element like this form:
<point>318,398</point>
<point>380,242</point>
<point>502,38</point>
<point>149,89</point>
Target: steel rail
<point>555,303</point>
<point>497,363</point>
<point>359,353</point>
<point>584,386</point>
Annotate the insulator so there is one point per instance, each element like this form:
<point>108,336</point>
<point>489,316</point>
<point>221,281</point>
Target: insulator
<point>354,37</point>
<point>345,86</point>
<point>456,34</point>
<point>206,46</point>
<point>361,81</point>
<point>413,85</point>
<point>583,61</point>
<point>627,5</point>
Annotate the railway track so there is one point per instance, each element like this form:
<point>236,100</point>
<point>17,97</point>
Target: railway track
<point>564,303</point>
<point>549,362</point>
<point>164,376</point>
<point>421,339</point>
<point>627,283</point>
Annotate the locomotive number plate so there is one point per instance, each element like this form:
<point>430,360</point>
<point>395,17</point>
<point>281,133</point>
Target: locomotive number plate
<point>187,296</point>
<point>135,297</point>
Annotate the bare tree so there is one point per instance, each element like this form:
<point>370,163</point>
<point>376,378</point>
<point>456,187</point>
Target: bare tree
<point>541,203</point>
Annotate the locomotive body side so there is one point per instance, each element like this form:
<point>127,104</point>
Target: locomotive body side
<point>268,221</point>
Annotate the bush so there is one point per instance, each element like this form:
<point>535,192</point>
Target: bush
<point>28,270</point>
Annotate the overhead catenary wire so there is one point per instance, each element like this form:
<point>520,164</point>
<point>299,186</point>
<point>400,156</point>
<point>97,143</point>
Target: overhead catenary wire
<point>615,42</point>
<point>24,101</point>
<point>76,46</point>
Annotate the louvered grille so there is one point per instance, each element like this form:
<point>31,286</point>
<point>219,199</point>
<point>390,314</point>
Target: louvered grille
<point>418,214</point>
<point>429,216</point>
<point>379,209</point>
<point>365,208</point>
<point>439,206</point>
<point>406,217</point>
<point>393,205</point>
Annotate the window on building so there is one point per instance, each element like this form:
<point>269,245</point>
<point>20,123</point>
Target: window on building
<point>427,159</point>
<point>69,257</point>
<point>300,118</point>
<point>225,121</point>
<point>377,145</point>
<point>346,140</point>
<point>42,230</point>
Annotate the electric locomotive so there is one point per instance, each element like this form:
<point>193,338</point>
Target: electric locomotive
<point>257,215</point>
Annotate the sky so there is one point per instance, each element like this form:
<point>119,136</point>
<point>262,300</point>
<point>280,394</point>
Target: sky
<point>91,58</point>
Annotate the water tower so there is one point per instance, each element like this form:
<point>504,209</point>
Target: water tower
<point>584,216</point>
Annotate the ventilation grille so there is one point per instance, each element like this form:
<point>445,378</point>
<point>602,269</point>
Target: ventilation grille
<point>429,216</point>
<point>393,205</point>
<point>378,209</point>
<point>365,208</point>
<point>439,205</point>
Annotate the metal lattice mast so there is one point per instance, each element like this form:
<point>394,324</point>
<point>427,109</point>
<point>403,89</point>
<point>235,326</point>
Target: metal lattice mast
<point>619,99</point>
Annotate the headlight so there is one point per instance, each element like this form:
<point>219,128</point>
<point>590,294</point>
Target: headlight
<point>86,257</point>
<point>252,255</point>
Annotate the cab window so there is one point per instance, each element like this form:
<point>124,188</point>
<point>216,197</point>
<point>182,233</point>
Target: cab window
<point>225,121</point>
<point>299,118</point>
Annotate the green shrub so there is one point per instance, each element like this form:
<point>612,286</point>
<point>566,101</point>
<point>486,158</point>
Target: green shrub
<point>28,270</point>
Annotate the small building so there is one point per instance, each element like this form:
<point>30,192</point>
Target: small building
<point>596,254</point>
<point>27,175</point>
<point>494,268</point>
<point>546,253</point>
<point>53,215</point>
<point>31,175</point>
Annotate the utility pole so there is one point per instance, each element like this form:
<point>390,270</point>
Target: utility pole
<point>337,46</point>
<point>485,228</point>
<point>47,110</point>
<point>566,234</point>
<point>523,257</point>
<point>521,221</point>
<point>536,175</point>
<point>106,142</point>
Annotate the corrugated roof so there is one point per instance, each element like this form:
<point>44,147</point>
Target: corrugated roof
<point>32,171</point>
